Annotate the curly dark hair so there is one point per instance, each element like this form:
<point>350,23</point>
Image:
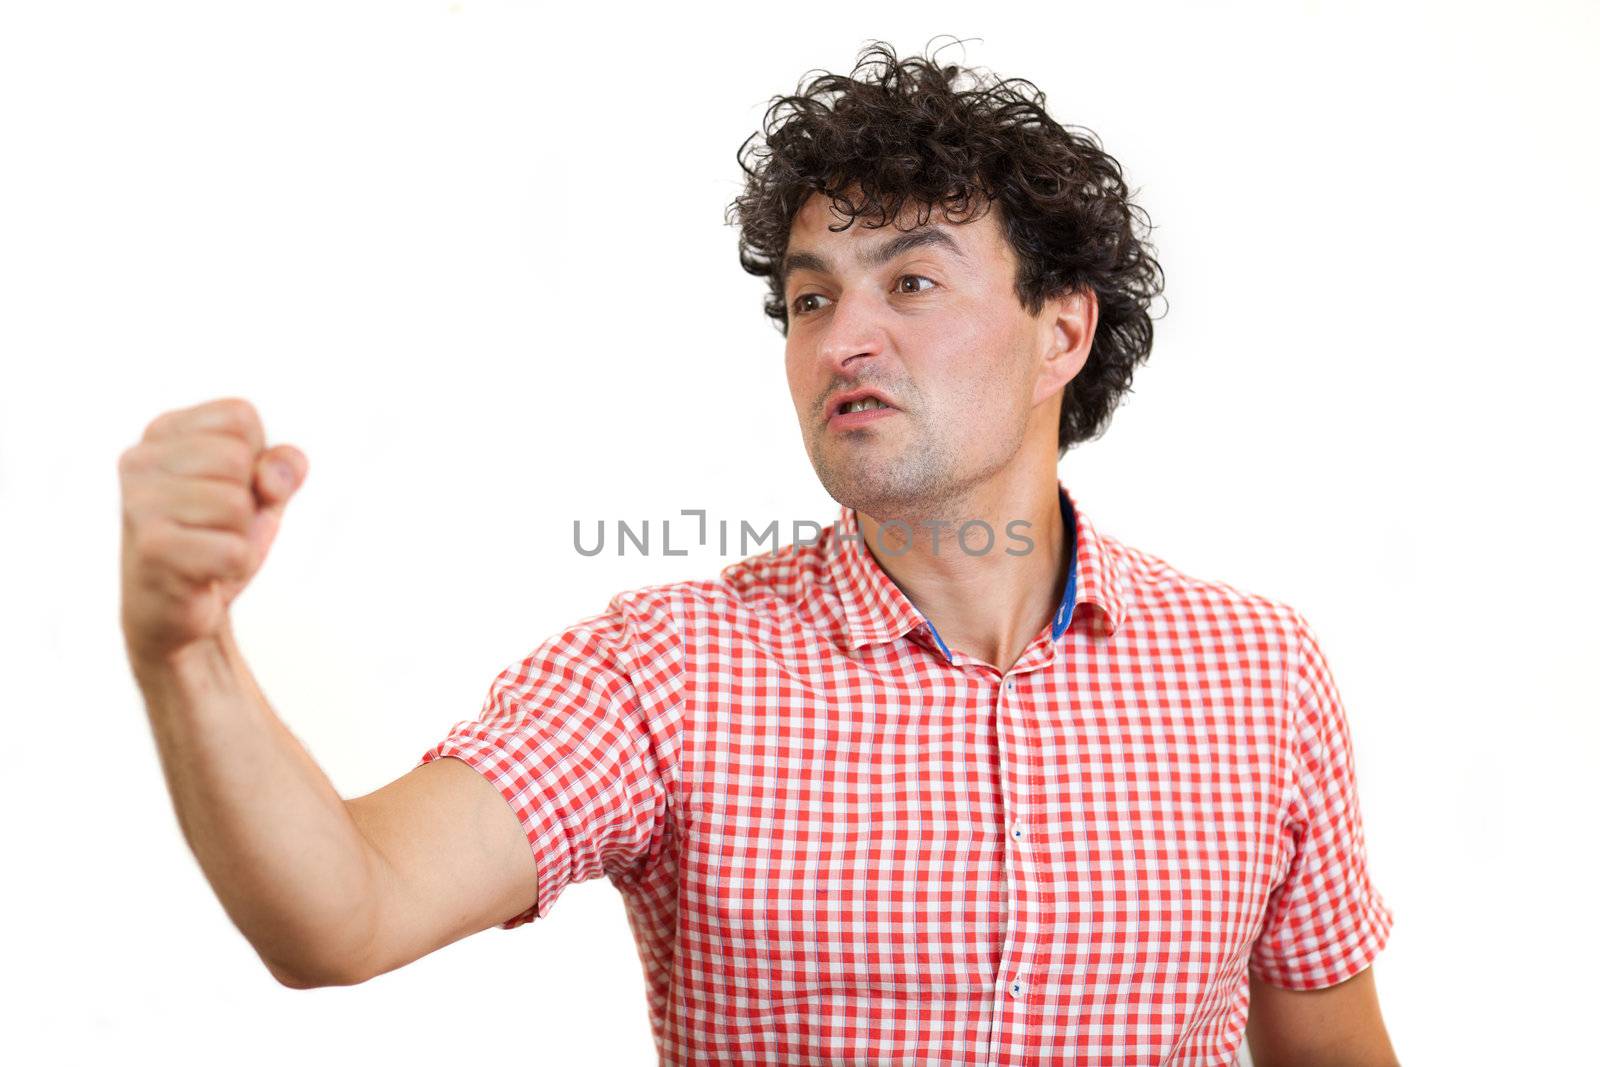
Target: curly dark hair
<point>904,130</point>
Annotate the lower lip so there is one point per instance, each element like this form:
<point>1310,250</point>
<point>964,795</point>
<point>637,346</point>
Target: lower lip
<point>854,419</point>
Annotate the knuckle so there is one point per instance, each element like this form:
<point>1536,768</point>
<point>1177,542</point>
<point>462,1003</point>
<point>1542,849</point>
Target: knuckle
<point>239,459</point>
<point>153,428</point>
<point>150,547</point>
<point>240,412</point>
<point>238,504</point>
<point>238,556</point>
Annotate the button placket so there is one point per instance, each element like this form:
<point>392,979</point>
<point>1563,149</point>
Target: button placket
<point>1014,1009</point>
<point>1016,828</point>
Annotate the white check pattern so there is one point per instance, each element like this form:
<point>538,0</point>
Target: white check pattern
<point>837,845</point>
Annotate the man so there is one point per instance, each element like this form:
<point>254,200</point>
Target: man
<point>964,780</point>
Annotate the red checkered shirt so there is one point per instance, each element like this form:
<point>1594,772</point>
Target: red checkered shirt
<point>838,843</point>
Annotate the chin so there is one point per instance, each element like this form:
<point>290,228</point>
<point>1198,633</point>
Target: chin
<point>849,484</point>
<point>880,489</point>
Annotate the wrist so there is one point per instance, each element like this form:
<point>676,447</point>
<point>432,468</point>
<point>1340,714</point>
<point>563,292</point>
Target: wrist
<point>199,666</point>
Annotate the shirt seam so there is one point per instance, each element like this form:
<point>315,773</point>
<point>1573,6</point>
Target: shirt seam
<point>630,645</point>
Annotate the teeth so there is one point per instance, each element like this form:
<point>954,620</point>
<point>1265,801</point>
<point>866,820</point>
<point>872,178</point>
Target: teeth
<point>863,405</point>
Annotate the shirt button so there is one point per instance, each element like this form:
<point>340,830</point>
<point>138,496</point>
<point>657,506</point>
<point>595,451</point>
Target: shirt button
<point>1011,685</point>
<point>1016,832</point>
<point>1016,989</point>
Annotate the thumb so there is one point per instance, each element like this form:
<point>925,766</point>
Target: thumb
<point>279,473</point>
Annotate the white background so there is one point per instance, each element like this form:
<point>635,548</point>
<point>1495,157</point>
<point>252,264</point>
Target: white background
<point>471,259</point>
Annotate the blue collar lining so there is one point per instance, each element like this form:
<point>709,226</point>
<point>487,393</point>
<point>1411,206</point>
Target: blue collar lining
<point>1058,625</point>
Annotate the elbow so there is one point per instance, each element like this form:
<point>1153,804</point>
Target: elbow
<point>289,979</point>
<point>305,977</point>
<point>306,962</point>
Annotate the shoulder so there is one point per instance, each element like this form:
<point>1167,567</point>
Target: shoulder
<point>771,586</point>
<point>1165,603</point>
<point>1152,583</point>
<point>1266,637</point>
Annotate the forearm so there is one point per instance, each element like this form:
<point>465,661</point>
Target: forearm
<point>269,830</point>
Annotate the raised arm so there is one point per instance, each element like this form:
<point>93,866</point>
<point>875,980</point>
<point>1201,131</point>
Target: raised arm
<point>328,892</point>
<point>452,859</point>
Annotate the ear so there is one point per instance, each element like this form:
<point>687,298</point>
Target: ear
<point>1066,333</point>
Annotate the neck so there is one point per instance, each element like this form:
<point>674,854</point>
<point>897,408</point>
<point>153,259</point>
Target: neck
<point>987,597</point>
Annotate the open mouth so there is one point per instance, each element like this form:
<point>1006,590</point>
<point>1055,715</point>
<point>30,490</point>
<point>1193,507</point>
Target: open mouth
<point>864,404</point>
<point>859,413</point>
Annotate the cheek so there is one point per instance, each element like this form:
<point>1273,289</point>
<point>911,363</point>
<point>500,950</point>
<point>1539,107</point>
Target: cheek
<point>973,368</point>
<point>793,374</point>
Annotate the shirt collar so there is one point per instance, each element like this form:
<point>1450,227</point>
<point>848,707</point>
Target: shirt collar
<point>876,610</point>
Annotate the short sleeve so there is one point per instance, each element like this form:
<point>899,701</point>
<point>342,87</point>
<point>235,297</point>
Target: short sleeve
<point>580,737</point>
<point>1326,922</point>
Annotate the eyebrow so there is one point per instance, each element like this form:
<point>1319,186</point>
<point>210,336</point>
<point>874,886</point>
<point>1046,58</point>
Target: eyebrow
<point>876,256</point>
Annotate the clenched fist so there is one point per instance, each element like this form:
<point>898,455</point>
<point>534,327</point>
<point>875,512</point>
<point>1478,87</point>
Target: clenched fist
<point>201,501</point>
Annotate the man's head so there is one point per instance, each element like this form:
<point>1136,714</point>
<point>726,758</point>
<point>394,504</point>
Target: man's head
<point>995,291</point>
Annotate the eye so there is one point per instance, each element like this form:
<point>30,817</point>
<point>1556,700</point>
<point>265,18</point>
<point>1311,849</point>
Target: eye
<point>799,307</point>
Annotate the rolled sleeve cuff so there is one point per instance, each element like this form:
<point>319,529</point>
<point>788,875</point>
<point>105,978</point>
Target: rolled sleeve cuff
<point>1318,966</point>
<point>547,838</point>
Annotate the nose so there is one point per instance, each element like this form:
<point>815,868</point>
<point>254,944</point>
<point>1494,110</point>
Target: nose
<point>853,335</point>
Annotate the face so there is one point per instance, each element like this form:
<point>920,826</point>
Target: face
<point>926,319</point>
